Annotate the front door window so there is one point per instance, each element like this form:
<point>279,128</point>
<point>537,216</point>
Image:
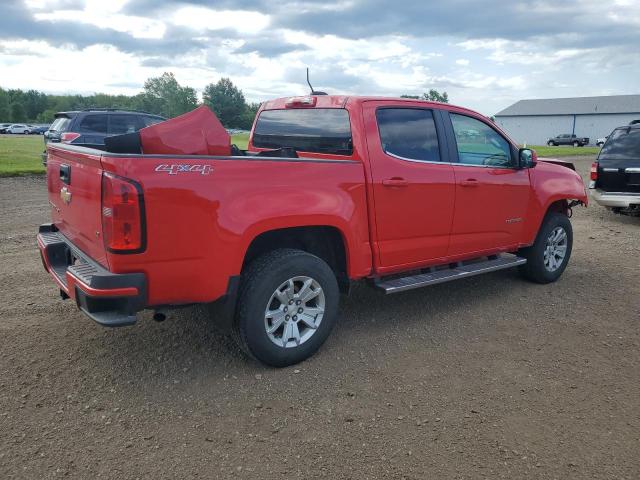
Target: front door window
<point>479,144</point>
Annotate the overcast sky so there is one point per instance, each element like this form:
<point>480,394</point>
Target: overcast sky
<point>485,54</point>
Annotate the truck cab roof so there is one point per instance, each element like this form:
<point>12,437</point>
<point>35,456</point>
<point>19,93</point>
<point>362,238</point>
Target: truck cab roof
<point>344,101</point>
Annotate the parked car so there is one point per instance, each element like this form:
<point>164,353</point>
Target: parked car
<point>38,129</point>
<point>331,190</point>
<point>601,141</point>
<point>90,127</point>
<point>615,176</point>
<point>4,126</point>
<point>19,128</point>
<point>568,139</point>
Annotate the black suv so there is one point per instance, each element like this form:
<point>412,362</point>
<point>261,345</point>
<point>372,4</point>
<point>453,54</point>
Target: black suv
<point>615,176</point>
<point>89,127</point>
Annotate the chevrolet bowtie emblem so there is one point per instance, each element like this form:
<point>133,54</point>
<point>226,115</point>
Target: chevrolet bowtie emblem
<point>65,195</point>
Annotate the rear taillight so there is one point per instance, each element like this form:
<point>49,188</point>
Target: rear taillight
<point>593,175</point>
<point>123,227</point>
<point>68,137</point>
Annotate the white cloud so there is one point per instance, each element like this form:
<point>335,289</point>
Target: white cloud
<point>481,72</point>
<point>201,18</point>
<point>138,27</point>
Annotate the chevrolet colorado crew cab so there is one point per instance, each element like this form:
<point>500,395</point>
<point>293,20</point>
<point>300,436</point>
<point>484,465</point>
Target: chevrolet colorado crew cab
<point>332,189</point>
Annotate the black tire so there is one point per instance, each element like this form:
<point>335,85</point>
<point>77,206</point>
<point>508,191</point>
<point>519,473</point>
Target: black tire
<point>535,269</point>
<point>259,282</point>
<point>576,144</point>
<point>551,144</point>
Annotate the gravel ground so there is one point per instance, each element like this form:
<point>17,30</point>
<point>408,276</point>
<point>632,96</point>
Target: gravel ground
<point>486,377</point>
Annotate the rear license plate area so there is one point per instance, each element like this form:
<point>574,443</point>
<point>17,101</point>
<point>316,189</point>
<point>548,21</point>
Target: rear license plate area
<point>633,178</point>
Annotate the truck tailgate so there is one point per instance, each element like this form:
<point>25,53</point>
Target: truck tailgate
<point>74,180</point>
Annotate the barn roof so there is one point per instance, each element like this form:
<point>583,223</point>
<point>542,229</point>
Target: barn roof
<point>574,106</point>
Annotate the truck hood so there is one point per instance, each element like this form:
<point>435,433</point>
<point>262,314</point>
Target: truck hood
<point>557,161</point>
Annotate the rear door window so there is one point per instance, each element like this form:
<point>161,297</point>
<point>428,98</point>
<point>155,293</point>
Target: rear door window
<point>119,124</point>
<point>408,133</point>
<point>94,124</point>
<point>321,130</point>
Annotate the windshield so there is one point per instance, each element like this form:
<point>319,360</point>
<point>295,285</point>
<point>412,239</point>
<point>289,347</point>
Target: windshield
<point>622,144</point>
<point>321,130</point>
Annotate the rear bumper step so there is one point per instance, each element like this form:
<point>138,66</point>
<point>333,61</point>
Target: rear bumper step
<point>615,199</point>
<point>110,299</point>
<point>453,272</point>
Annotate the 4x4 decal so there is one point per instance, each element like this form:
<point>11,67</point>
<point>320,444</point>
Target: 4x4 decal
<point>176,168</point>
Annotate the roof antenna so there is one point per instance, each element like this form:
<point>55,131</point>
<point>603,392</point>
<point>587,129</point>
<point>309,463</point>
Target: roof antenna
<point>313,92</point>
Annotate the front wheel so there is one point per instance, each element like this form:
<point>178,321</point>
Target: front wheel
<point>576,144</point>
<point>551,144</point>
<point>549,255</point>
<point>287,307</point>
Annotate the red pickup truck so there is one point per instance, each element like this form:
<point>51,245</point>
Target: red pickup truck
<point>332,189</point>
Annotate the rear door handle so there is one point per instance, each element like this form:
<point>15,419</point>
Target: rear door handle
<point>65,174</point>
<point>395,182</point>
<point>469,182</point>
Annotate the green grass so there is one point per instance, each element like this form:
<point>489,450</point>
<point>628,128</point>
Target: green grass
<point>20,155</point>
<point>545,151</point>
<point>240,140</point>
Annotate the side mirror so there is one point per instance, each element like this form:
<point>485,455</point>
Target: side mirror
<point>527,158</point>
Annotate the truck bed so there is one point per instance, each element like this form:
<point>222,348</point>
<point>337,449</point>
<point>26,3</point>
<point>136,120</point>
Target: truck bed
<point>201,212</point>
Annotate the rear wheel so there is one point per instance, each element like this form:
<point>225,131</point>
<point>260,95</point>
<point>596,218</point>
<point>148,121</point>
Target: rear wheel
<point>549,255</point>
<point>287,307</point>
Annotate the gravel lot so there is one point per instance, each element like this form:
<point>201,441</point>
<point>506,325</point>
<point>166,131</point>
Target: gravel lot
<point>487,377</point>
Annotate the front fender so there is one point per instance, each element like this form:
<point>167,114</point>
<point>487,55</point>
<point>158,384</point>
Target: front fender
<point>551,183</point>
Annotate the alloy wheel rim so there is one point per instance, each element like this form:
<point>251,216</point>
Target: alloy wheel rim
<point>294,311</point>
<point>555,249</point>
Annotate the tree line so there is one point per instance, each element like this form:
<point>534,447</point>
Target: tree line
<point>432,95</point>
<point>161,95</point>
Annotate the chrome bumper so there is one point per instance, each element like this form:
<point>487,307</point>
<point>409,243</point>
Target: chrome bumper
<point>615,199</point>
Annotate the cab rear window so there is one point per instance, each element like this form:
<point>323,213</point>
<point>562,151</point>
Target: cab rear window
<point>319,130</point>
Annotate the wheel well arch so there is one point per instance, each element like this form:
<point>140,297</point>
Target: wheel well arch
<point>558,206</point>
<point>325,242</point>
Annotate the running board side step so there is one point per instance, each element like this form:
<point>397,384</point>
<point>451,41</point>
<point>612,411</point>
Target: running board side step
<point>456,271</point>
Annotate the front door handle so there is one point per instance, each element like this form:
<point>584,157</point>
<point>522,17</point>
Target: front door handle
<point>469,182</point>
<point>395,182</point>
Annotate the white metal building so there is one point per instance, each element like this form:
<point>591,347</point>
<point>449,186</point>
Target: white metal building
<point>535,121</point>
